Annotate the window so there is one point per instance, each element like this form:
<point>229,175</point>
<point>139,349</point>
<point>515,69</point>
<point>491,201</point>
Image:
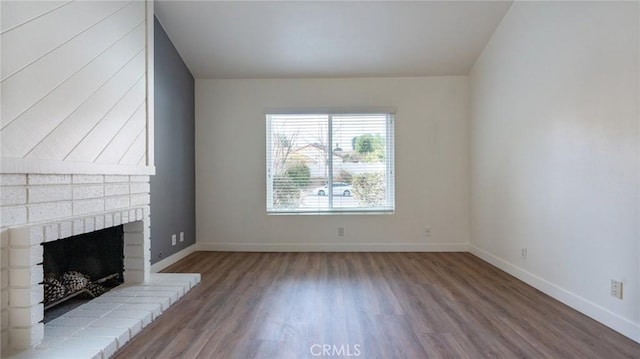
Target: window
<point>328,163</point>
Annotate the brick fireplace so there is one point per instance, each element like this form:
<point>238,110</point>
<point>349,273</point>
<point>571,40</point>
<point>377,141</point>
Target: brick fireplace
<point>39,208</point>
<point>77,152</point>
<point>25,265</point>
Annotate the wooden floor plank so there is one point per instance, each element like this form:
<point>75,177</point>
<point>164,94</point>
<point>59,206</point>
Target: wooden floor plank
<point>389,305</point>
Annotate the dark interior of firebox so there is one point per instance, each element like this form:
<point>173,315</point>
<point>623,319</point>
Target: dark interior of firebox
<point>80,268</point>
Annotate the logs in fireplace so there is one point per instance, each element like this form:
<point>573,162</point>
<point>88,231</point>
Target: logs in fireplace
<point>79,268</point>
<point>72,284</point>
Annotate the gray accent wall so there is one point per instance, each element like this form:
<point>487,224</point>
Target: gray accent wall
<point>173,186</point>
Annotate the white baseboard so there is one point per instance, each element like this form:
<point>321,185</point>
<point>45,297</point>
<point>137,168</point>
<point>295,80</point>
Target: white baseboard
<point>586,307</point>
<point>160,265</point>
<point>333,247</point>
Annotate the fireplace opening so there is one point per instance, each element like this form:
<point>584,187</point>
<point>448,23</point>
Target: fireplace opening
<point>80,268</point>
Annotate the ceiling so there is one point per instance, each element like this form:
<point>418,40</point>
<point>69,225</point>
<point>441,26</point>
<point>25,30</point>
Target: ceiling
<point>296,39</point>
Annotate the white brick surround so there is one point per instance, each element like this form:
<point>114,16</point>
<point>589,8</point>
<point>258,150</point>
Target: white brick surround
<point>39,208</point>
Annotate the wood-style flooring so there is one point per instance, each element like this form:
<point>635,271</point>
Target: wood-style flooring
<point>367,305</point>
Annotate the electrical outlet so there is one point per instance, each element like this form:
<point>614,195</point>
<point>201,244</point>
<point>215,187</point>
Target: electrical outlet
<point>616,289</point>
<point>173,239</point>
<point>523,253</point>
<point>181,236</point>
<point>427,232</point>
<point>340,231</point>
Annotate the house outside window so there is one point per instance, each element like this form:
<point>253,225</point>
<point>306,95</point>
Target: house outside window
<point>330,163</point>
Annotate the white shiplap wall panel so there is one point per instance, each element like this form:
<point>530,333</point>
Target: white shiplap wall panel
<point>136,152</point>
<point>16,13</point>
<point>60,141</point>
<point>27,87</point>
<point>75,77</point>
<point>46,114</point>
<point>100,136</point>
<point>28,42</point>
<point>114,151</point>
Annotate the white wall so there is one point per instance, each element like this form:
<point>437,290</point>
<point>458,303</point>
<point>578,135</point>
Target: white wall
<point>554,153</point>
<point>432,180</point>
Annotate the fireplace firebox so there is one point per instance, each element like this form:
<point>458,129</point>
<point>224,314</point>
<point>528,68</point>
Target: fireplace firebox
<point>80,268</point>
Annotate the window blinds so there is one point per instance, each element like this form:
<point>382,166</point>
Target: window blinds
<point>318,163</point>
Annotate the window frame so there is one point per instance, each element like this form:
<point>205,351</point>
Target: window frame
<point>389,207</point>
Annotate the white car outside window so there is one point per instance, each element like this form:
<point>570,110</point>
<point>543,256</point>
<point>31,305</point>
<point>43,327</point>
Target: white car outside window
<point>339,189</point>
